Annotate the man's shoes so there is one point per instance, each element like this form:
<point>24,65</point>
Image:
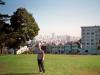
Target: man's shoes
<point>43,71</point>
<point>40,72</point>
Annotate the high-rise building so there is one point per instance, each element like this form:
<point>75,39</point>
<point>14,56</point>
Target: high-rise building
<point>90,38</point>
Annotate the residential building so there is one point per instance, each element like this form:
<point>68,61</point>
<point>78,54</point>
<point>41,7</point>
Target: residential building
<point>68,48</point>
<point>90,39</point>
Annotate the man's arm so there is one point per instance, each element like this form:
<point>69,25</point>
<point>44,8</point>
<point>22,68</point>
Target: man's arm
<point>43,55</point>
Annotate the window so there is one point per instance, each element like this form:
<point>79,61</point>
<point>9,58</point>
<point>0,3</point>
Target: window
<point>87,33</point>
<point>87,43</point>
<point>88,30</point>
<point>99,41</point>
<point>92,33</point>
<point>83,43</point>
<point>92,43</point>
<point>91,39</point>
<point>87,39</point>
<point>83,29</point>
<point>87,36</point>
<point>86,50</point>
<point>99,30</point>
<point>83,37</point>
<point>83,33</point>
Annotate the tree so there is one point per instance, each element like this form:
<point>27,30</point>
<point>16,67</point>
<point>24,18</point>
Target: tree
<point>24,25</point>
<point>2,3</point>
<point>4,28</point>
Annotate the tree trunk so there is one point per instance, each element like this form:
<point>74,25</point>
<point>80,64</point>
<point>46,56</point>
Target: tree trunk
<point>1,50</point>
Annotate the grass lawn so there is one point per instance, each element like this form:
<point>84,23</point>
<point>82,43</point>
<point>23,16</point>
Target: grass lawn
<point>54,64</point>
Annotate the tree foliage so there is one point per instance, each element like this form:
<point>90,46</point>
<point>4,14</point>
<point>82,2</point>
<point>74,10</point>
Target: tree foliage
<point>22,27</point>
<point>24,23</point>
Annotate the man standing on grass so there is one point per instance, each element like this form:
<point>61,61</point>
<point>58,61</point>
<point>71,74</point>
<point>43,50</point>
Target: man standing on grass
<point>40,58</point>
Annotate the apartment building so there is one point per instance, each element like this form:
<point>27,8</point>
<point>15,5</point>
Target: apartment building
<point>90,39</point>
<point>68,48</point>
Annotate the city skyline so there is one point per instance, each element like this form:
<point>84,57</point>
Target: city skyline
<point>58,16</point>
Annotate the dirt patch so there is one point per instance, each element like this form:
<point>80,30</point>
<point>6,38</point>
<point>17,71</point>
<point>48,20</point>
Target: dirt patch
<point>20,74</point>
<point>3,67</point>
<point>95,71</point>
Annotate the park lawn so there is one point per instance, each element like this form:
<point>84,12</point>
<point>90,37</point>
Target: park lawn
<point>54,64</point>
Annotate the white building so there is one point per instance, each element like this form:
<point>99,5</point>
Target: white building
<point>90,39</point>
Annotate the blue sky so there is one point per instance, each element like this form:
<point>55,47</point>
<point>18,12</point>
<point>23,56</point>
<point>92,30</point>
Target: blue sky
<point>59,16</point>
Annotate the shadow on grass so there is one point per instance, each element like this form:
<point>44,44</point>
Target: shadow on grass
<point>20,74</point>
